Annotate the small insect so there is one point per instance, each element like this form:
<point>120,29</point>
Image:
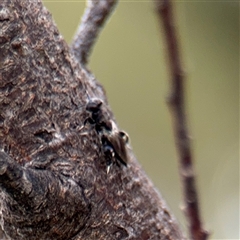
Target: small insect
<point>113,141</point>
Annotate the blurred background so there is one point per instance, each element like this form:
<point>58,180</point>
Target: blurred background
<point>130,61</point>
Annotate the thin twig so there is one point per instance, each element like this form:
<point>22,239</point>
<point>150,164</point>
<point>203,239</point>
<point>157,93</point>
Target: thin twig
<point>177,107</point>
<point>94,17</point>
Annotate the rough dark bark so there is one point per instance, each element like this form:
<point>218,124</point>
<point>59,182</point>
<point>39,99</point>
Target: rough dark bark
<point>53,178</point>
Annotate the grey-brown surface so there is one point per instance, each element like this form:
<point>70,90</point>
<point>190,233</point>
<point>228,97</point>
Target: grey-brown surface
<point>53,178</point>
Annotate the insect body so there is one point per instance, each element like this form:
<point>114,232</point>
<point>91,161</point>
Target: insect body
<point>113,141</point>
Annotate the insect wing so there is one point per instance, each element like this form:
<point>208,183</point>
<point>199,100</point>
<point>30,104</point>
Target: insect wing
<point>119,146</point>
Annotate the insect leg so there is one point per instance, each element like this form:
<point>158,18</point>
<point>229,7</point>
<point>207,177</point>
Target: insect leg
<point>109,155</point>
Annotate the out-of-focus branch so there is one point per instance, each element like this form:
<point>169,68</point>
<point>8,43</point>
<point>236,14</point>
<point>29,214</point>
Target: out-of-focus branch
<point>177,107</point>
<point>95,15</point>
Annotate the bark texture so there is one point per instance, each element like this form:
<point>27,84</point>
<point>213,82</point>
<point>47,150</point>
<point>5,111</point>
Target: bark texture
<point>96,14</point>
<point>53,178</point>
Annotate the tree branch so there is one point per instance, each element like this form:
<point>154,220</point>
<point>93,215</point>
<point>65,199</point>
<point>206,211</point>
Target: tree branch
<point>95,16</point>
<point>53,167</point>
<point>177,107</point>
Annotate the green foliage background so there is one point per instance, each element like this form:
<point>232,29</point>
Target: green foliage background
<point>129,59</point>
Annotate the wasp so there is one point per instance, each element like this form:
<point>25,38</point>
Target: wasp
<point>113,140</point>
